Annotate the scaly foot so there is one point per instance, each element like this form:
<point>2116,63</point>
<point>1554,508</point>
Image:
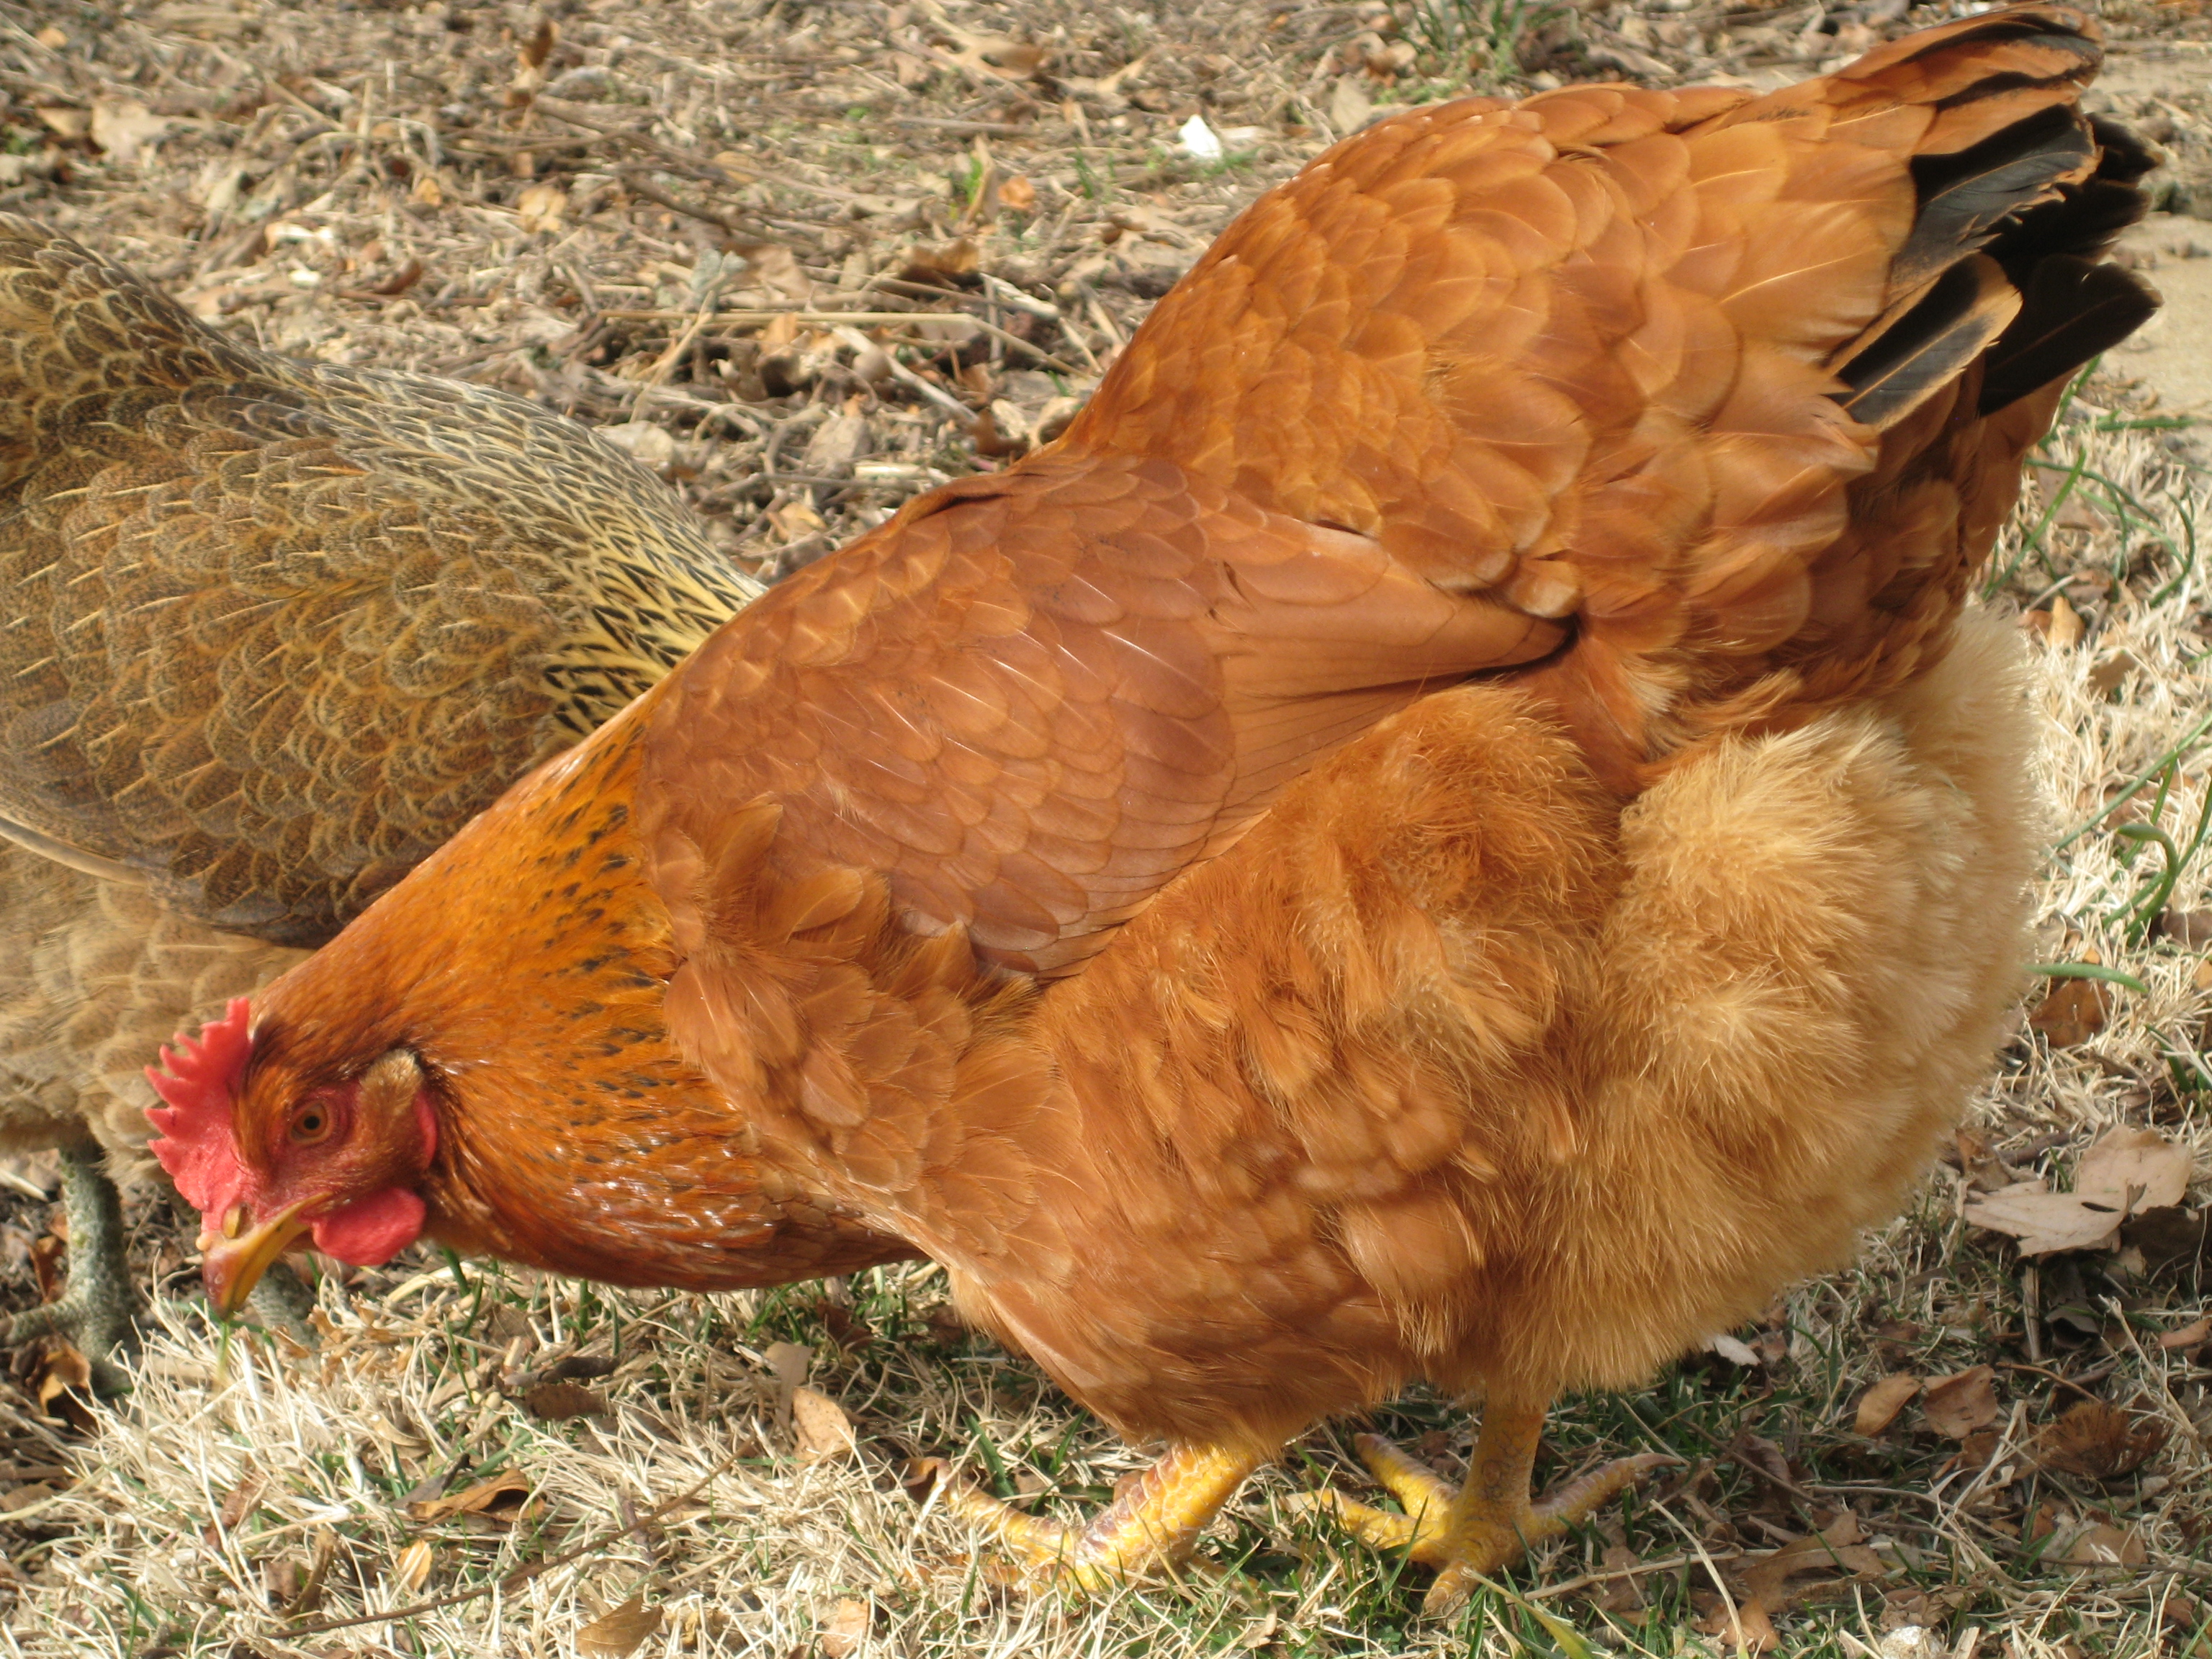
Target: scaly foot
<point>98,1311</point>
<point>1154,1521</point>
<point>1484,1525</point>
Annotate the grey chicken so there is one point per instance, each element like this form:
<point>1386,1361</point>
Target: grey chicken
<point>276,629</point>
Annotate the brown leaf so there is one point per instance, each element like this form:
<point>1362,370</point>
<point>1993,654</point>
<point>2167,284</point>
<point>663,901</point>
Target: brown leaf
<point>66,123</point>
<point>617,1634</point>
<point>846,1628</point>
<point>2190,929</point>
<point>2095,1441</point>
<point>1831,1557</point>
<point>399,281</point>
<point>1018,195</point>
<point>1958,1403</point>
<point>820,1424</point>
<point>557,1401</point>
<point>1622,1595</point>
<point>47,1254</point>
<point>2072,1012</point>
<point>1880,1405</point>
<point>2127,1172</point>
<point>2171,1238</point>
<point>2103,1545</point>
<point>2065,628</point>
<point>1978,1162</point>
<point>2105,676</point>
<point>2197,1331</point>
<point>847,1332</point>
<point>940,265</point>
<point>540,207</point>
<point>503,1491</point>
<point>412,1569</point>
<point>125,129</point>
<point>237,1504</point>
<point>790,1361</point>
<point>61,1382</point>
<point>1748,1628</point>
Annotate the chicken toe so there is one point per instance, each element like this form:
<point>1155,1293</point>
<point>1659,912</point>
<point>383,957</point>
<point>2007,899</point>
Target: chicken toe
<point>99,1309</point>
<point>1486,1524</point>
<point>1154,1521</point>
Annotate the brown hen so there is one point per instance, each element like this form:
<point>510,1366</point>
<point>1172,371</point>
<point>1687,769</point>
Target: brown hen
<point>1544,1023</point>
<point>278,629</point>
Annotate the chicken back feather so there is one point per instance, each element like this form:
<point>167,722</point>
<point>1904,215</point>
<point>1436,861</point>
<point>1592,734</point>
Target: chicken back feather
<point>1456,824</point>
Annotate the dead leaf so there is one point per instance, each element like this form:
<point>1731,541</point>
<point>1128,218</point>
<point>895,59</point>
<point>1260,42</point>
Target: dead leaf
<point>2127,1172</point>
<point>1880,1405</point>
<point>1748,1626</point>
<point>1018,195</point>
<point>617,1634</point>
<point>412,1569</point>
<point>2105,678</point>
<point>1835,1555</point>
<point>540,207</point>
<point>2095,1441</point>
<point>1978,1162</point>
<point>820,1424</point>
<point>795,520</point>
<point>2071,1013</point>
<point>1349,104</point>
<point>846,1628</point>
<point>237,1504</point>
<point>61,1382</point>
<point>2189,1336</point>
<point>502,1492</point>
<point>66,123</point>
<point>847,1332</point>
<point>1618,1592</point>
<point>1732,1349</point>
<point>399,281</point>
<point>940,265</point>
<point>51,39</point>
<point>2171,1238</point>
<point>124,130</point>
<point>47,1254</point>
<point>557,1401</point>
<point>1957,1405</point>
<point>2065,630</point>
<point>789,1361</point>
<point>2101,1544</point>
<point>2190,929</point>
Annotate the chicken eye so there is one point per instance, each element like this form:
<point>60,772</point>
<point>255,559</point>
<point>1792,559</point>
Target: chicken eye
<point>310,1124</point>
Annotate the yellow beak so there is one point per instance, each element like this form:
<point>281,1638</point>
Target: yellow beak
<point>233,1261</point>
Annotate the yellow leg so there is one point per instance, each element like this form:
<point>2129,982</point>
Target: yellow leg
<point>1154,1521</point>
<point>1490,1522</point>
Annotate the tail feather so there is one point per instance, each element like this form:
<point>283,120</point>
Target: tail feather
<point>2073,309</point>
<point>2019,196</point>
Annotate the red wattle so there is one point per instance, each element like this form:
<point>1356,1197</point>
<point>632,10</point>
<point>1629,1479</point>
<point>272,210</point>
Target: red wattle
<point>372,1231</point>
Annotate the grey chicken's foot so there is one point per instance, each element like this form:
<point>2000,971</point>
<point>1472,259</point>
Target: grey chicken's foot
<point>281,1300</point>
<point>98,1311</point>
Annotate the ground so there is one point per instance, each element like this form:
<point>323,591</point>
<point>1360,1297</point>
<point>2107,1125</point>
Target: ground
<point>807,259</point>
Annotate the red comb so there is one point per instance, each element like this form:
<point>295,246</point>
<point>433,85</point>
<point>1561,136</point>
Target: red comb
<point>196,1148</point>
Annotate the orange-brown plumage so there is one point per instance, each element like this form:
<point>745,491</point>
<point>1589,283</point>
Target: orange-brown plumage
<point>1403,844</point>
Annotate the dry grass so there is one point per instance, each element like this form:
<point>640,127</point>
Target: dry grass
<point>313,156</point>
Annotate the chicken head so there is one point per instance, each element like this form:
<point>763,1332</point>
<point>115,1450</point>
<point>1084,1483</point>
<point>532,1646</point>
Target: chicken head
<point>337,1160</point>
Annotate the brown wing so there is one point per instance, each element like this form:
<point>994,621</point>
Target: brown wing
<point>1030,701</point>
<point>278,629</point>
<point>1629,356</point>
